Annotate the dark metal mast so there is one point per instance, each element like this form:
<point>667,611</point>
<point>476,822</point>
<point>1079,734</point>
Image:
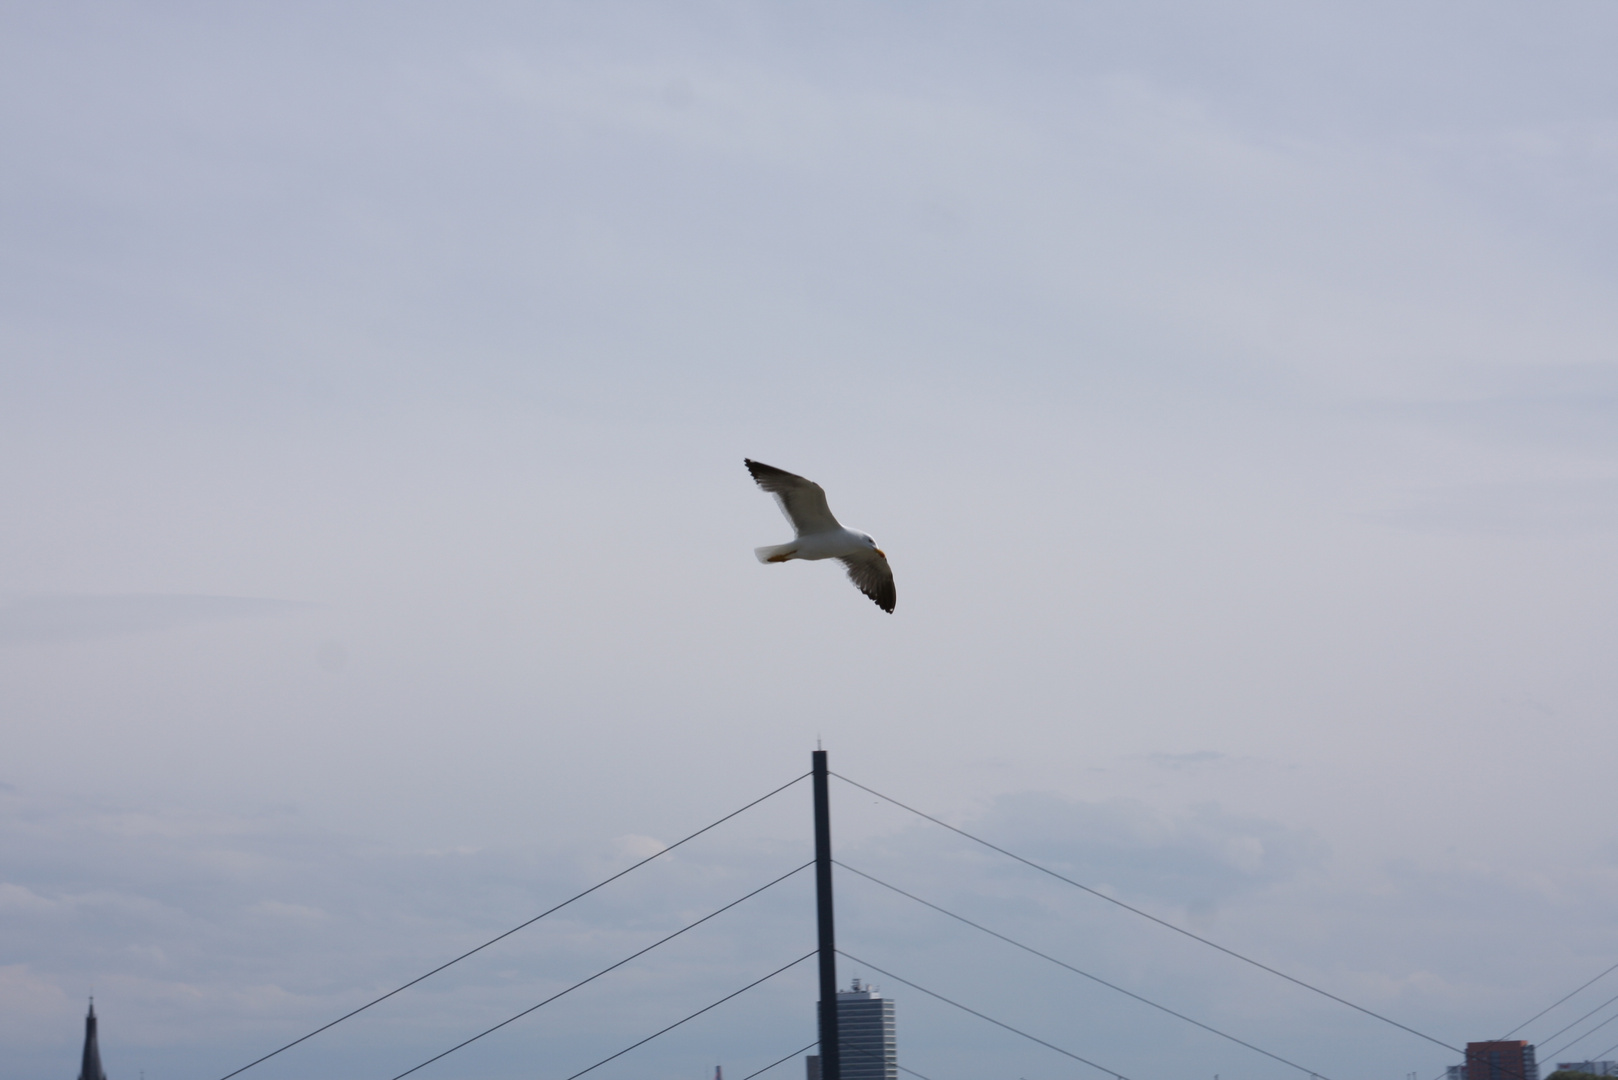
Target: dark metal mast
<point>831,1063</point>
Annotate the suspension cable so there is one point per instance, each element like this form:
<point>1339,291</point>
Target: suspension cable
<point>1147,915</point>
<point>982,1016</point>
<point>1601,1055</point>
<point>1580,1038</point>
<point>1554,1004</point>
<point>603,971</point>
<point>862,1050</point>
<point>811,1046</point>
<point>1580,1020</point>
<point>1557,1002</point>
<point>514,929</point>
<point>779,1061</point>
<point>694,1015</point>
<point>1079,971</point>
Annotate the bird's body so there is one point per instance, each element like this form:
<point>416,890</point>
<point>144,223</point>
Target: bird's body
<point>836,544</point>
<point>819,536</point>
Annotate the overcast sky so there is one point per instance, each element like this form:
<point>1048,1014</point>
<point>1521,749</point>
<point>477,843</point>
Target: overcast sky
<point>1234,388</point>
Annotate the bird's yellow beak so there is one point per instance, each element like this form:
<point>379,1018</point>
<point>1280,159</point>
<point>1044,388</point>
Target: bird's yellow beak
<point>882,553</point>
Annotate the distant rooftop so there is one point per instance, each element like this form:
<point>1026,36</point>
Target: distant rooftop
<point>856,992</point>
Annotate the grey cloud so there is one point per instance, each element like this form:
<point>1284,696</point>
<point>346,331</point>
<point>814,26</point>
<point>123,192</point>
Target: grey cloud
<point>1186,760</point>
<point>1197,859</point>
<point>1525,507</point>
<point>30,618</point>
<point>1560,425</point>
<point>211,937</point>
<point>1559,406</point>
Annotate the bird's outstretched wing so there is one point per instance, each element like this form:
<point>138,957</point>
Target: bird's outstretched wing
<point>802,501</point>
<point>869,572</point>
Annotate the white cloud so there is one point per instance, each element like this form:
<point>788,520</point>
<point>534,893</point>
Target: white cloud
<point>1231,385</point>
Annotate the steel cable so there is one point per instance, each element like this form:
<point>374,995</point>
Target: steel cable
<point>514,929</point>
<point>1147,915</point>
<point>603,971</point>
<point>982,1016</point>
<point>694,1015</point>
<point>1557,1002</point>
<point>1079,971</point>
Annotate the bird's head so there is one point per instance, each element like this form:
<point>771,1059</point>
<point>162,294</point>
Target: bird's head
<point>870,543</point>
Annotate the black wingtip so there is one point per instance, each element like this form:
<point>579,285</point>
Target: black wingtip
<point>886,599</point>
<point>760,471</point>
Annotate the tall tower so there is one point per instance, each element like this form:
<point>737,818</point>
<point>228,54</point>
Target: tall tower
<point>91,1070</point>
<point>865,1035</point>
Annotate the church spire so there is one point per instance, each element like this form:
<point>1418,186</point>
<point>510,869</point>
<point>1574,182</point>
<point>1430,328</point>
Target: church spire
<point>92,1049</point>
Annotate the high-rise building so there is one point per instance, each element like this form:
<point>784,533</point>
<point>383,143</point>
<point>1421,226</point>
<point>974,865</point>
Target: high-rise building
<point>865,1032</point>
<point>1496,1061</point>
<point>91,1069</point>
<point>865,1036</point>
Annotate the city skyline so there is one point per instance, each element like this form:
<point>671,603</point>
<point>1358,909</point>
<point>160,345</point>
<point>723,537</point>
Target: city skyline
<point>1232,387</point>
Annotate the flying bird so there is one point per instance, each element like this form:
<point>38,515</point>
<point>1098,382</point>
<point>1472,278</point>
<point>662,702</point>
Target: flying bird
<point>820,536</point>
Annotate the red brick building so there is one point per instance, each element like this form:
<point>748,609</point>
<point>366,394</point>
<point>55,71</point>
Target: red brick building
<point>1500,1061</point>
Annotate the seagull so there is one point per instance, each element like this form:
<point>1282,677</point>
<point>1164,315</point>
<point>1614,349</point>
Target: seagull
<point>820,536</point>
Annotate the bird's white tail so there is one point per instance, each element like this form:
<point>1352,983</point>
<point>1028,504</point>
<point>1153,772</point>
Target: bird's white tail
<point>776,552</point>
